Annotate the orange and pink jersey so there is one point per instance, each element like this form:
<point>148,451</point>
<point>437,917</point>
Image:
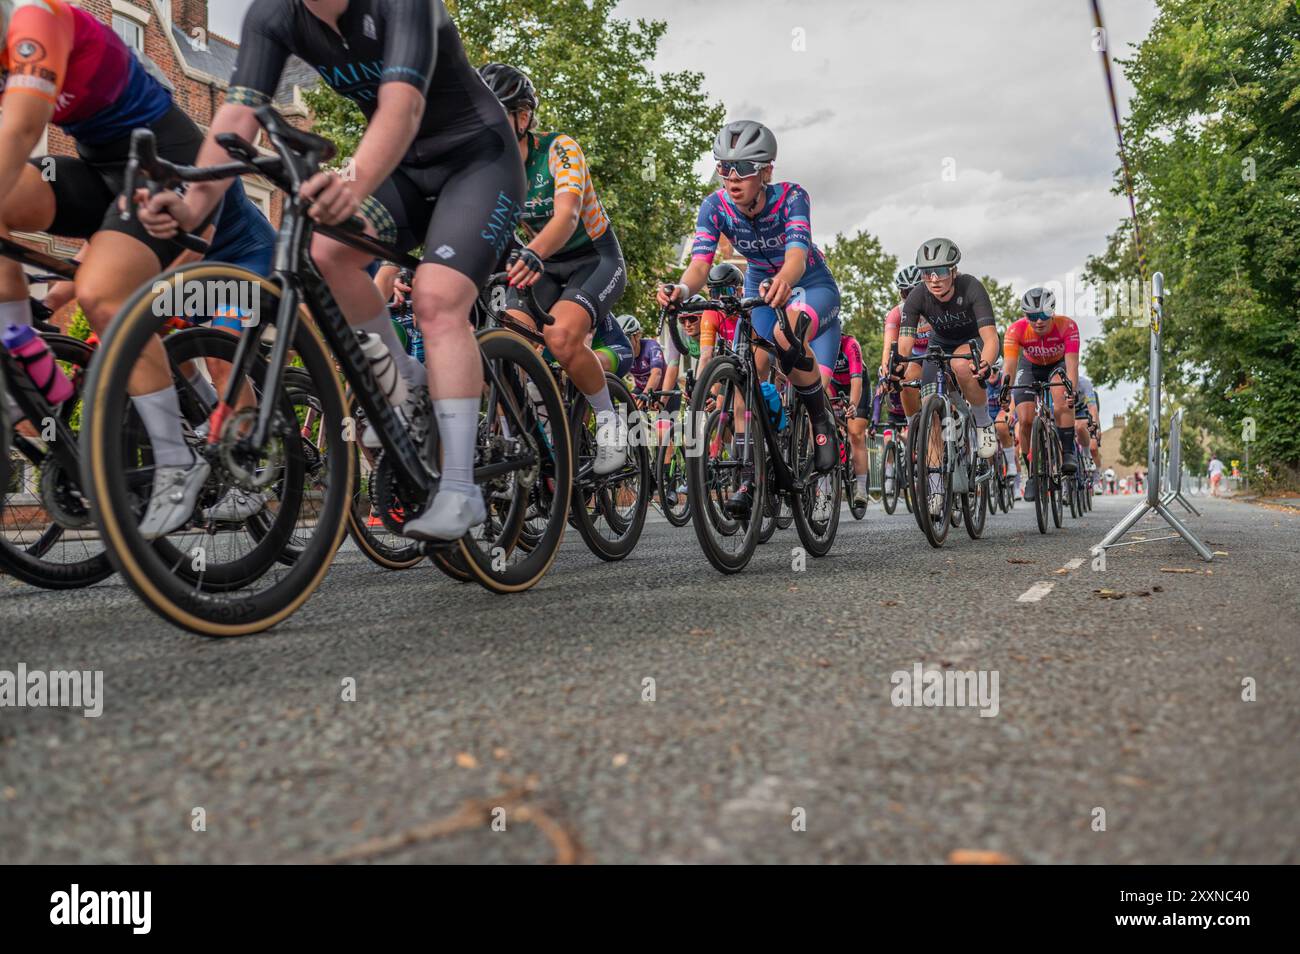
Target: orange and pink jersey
<point>62,54</point>
<point>1060,338</point>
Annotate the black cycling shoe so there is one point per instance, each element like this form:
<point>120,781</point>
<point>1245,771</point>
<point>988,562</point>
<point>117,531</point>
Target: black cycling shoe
<point>1069,464</point>
<point>1031,488</point>
<point>741,504</point>
<point>827,456</point>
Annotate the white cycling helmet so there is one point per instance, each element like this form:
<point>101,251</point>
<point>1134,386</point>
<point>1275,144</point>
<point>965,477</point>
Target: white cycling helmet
<point>630,324</point>
<point>1039,301</point>
<point>907,278</point>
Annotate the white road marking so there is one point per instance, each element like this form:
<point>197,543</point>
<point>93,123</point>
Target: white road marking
<point>1073,564</point>
<point>1035,592</point>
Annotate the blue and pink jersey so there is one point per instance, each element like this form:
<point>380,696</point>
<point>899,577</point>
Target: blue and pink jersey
<point>762,240</point>
<point>62,54</point>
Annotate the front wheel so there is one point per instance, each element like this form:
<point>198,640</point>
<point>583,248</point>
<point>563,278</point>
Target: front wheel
<point>609,511</point>
<point>889,494</point>
<point>670,477</point>
<point>932,473</point>
<point>817,506</point>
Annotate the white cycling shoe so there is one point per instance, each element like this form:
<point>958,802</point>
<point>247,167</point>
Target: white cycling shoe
<point>236,505</point>
<point>988,445</point>
<point>171,502</point>
<point>449,516</point>
<point>611,447</point>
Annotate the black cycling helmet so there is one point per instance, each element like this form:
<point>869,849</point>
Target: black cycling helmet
<point>511,86</point>
<point>725,275</point>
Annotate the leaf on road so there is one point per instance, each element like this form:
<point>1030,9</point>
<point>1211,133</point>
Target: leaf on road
<point>1140,593</point>
<point>1018,560</point>
<point>968,856</point>
<point>619,760</point>
<point>889,602</point>
<point>465,760</point>
<point>1175,569</point>
<point>1110,594</point>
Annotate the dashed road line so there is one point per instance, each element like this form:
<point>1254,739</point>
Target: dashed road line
<point>1035,592</point>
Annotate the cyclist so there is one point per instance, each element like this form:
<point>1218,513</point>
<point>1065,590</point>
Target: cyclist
<point>723,279</point>
<point>905,280</point>
<point>433,129</point>
<point>648,364</point>
<point>847,376</point>
<point>572,257</point>
<point>958,310</point>
<point>61,65</point>
<point>1087,418</point>
<point>768,223</point>
<point>1036,346</point>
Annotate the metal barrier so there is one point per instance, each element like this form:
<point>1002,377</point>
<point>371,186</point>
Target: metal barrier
<point>1154,500</point>
<point>1174,483</point>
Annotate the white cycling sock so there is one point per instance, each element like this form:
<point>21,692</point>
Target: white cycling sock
<point>458,430</point>
<point>981,414</point>
<point>412,371</point>
<point>203,388</point>
<point>161,414</point>
<point>601,402</point>
<point>15,313</point>
<point>862,483</point>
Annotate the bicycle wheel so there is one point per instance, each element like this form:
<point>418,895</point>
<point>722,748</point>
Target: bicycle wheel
<point>524,444</point>
<point>372,534</point>
<point>47,537</point>
<point>817,506</point>
<point>670,475</point>
<point>771,509</point>
<point>218,552</point>
<point>848,481</point>
<point>712,477</point>
<point>108,471</point>
<point>1055,480</point>
<point>609,511</point>
<point>889,494</point>
<point>932,461</point>
<point>1038,469</point>
<point>975,504</point>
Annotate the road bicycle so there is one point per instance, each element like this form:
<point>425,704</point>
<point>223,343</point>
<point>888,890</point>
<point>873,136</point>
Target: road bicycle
<point>945,462</point>
<point>253,447</point>
<point>1045,451</point>
<point>781,466</point>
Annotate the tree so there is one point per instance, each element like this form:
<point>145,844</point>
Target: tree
<point>641,131</point>
<point>1214,144</point>
<point>865,274</point>
<point>1006,303</point>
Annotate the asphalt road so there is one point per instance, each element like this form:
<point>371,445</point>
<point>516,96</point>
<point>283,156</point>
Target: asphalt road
<point>772,709</point>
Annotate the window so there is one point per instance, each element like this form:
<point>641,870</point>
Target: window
<point>131,32</point>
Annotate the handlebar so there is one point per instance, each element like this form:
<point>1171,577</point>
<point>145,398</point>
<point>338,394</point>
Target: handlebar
<point>535,311</point>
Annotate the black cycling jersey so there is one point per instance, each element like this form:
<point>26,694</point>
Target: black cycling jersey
<point>954,321</point>
<point>378,41</point>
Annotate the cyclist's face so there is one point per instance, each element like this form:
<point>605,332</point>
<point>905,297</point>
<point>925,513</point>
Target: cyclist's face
<point>691,324</point>
<point>745,191</point>
<point>522,120</point>
<point>940,285</point>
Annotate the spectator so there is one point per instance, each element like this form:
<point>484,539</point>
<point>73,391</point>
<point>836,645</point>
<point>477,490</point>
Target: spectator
<point>1110,480</point>
<point>1216,474</point>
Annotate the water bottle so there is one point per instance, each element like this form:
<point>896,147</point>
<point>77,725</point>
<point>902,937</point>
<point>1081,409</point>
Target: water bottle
<point>30,349</point>
<point>391,384</point>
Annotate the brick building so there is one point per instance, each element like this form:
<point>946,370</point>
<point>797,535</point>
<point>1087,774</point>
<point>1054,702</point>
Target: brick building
<point>174,36</point>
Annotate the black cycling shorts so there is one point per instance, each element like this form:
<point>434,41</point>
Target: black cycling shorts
<point>462,206</point>
<point>87,186</point>
<point>1027,371</point>
<point>594,279</point>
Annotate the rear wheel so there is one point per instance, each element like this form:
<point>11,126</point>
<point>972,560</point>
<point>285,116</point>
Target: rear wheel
<point>609,511</point>
<point>1038,469</point>
<point>366,525</point>
<point>47,537</point>
<point>817,506</point>
<point>889,494</point>
<point>671,478</point>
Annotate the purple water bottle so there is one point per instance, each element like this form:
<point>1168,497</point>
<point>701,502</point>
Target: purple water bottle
<point>30,349</point>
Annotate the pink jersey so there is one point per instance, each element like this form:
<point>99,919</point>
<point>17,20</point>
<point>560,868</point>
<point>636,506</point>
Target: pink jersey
<point>848,364</point>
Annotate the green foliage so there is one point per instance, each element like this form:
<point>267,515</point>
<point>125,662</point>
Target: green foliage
<point>865,274</point>
<point>642,131</point>
<point>1006,303</point>
<point>78,326</point>
<point>1214,141</point>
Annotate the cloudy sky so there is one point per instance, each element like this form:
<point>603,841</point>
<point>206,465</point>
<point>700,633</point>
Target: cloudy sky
<point>983,120</point>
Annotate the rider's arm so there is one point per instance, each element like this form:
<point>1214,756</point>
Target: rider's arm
<point>891,335</point>
<point>33,85</point>
<point>1011,347</point>
<point>982,309</point>
<point>1072,352</point>
<point>708,231</point>
<point>569,170</point>
<point>798,236</point>
<point>909,315</point>
<point>386,280</point>
<point>853,352</point>
<point>1072,369</point>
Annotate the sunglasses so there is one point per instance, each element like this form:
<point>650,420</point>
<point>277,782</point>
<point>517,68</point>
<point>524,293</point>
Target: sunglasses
<point>743,168</point>
<point>1038,317</point>
<point>940,271</point>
